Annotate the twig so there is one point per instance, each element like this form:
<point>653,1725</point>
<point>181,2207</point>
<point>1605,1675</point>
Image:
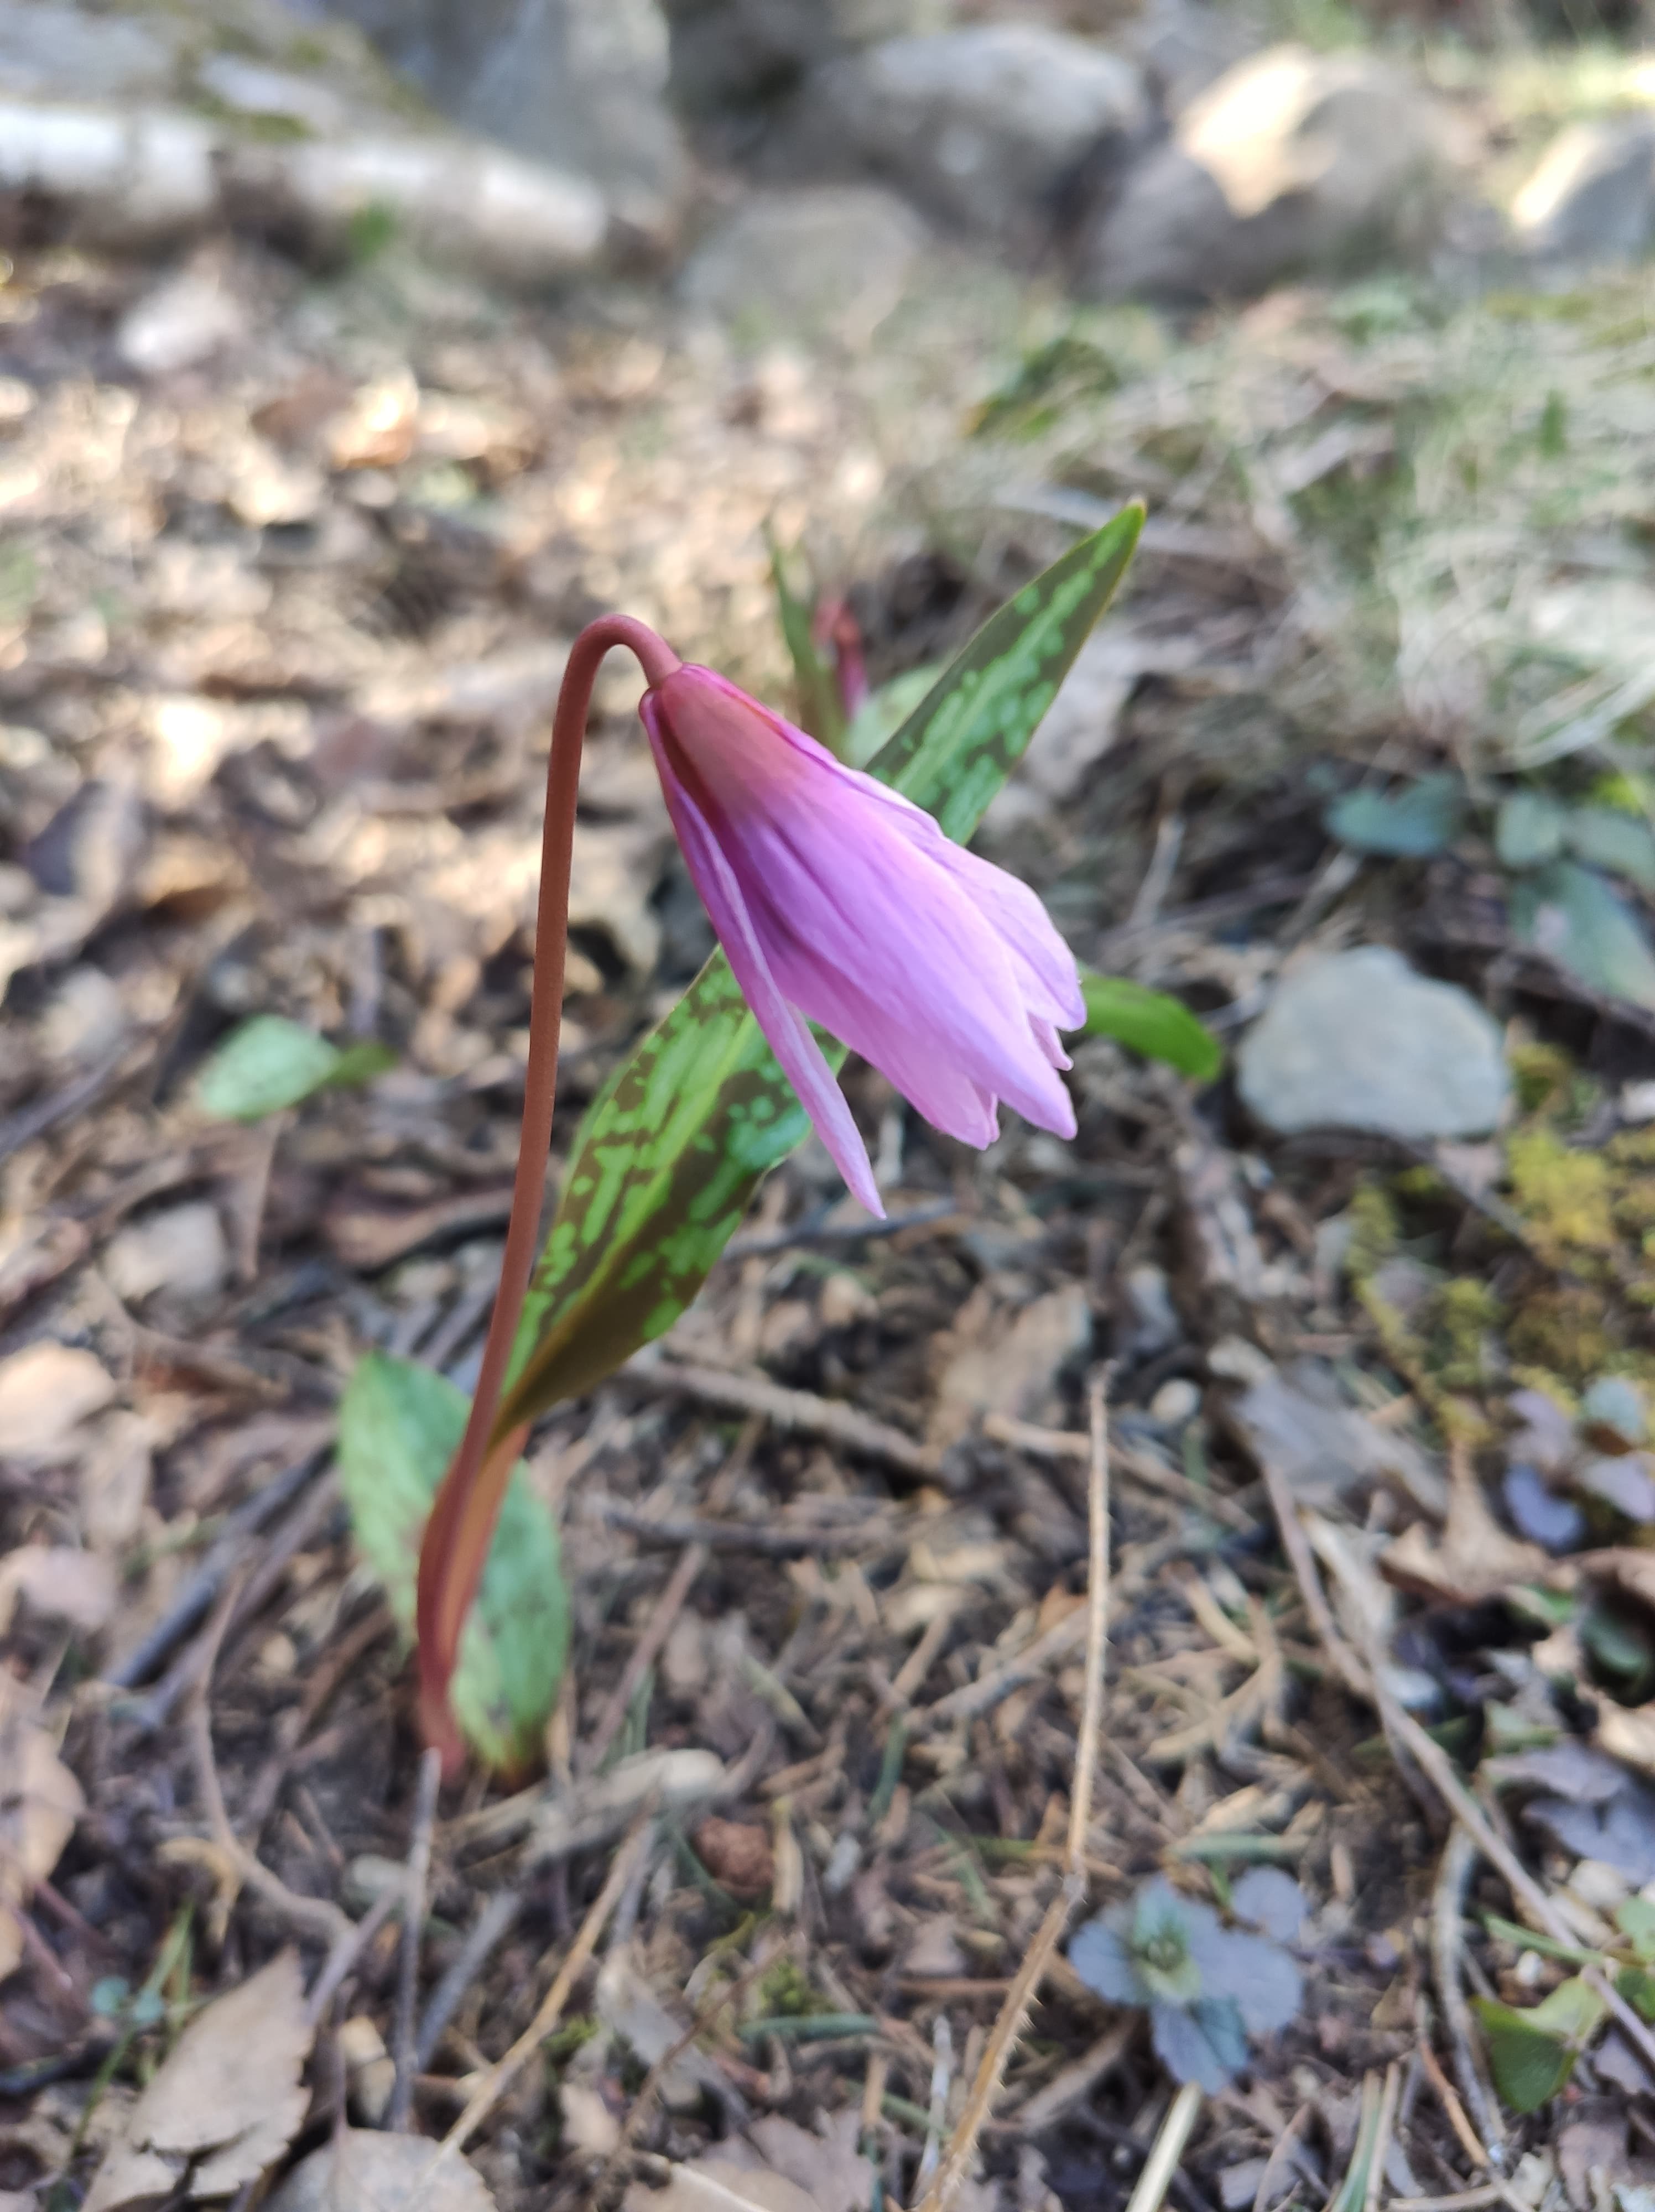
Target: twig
<point>800,1411</point>
<point>316,1914</point>
<point>817,1228</point>
<point>500,2076</point>
<point>1170,2139</point>
<point>1077,2079</point>
<point>1405,1733</point>
<point>347,1947</point>
<point>1025,1983</point>
<point>589,1755</point>
<point>1074,1443</point>
<point>1447,2096</point>
<point>413,1923</point>
<point>490,1927</point>
<point>1459,1859</point>
<point>747,1536</point>
<point>273,1562</point>
<point>194,1601</point>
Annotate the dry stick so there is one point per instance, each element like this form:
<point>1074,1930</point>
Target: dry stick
<point>468,1505</point>
<point>413,1924</point>
<point>1447,1942</point>
<point>799,1410</point>
<point>347,1949</point>
<point>504,2072</point>
<point>1430,1759</point>
<point>1168,2149</point>
<point>868,1535</point>
<point>1025,1983</point>
<point>589,1756</point>
<point>488,1928</point>
<point>314,1913</point>
<point>195,1599</point>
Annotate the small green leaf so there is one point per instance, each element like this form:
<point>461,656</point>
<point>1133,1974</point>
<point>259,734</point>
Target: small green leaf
<point>1637,1985</point>
<point>271,1063</point>
<point>669,1154</point>
<point>821,711</point>
<point>1531,2054</point>
<point>1151,1023</point>
<point>1582,923</point>
<point>883,713</point>
<point>400,1425</point>
<point>1636,1921</point>
<point>1409,824</point>
<point>1608,837</point>
<point>1528,830</point>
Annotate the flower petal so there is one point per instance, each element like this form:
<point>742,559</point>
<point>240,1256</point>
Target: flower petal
<point>798,1053</point>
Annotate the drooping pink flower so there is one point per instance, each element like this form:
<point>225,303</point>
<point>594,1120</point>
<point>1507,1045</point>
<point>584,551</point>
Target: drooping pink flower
<point>838,901</point>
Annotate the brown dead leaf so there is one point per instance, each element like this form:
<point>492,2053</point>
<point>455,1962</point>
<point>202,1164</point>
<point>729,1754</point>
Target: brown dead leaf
<point>363,2170</point>
<point>716,2186</point>
<point>1013,1373</point>
<point>41,1802</point>
<point>46,1390</point>
<point>1472,1558</point>
<point>56,1580</point>
<point>1322,1449</point>
<point>224,2106</point>
<point>830,2166</point>
<point>736,1854</point>
<point>378,428</point>
<point>367,1233</point>
<point>1627,1733</point>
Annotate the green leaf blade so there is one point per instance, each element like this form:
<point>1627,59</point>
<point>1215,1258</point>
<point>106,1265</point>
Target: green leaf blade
<point>668,1156</point>
<point>399,1425</point>
<point>1577,919</point>
<point>264,1066</point>
<point>1422,819</point>
<point>1151,1023</point>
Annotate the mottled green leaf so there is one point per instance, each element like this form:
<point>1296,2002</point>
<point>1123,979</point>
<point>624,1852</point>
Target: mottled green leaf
<point>1531,2054</point>
<point>883,713</point>
<point>400,1425</point>
<point>271,1063</point>
<point>1409,824</point>
<point>1151,1023</point>
<point>1528,830</point>
<point>1609,837</point>
<point>1578,919</point>
<point>670,1153</point>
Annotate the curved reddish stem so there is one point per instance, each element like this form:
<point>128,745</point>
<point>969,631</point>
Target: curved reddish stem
<point>463,1514</point>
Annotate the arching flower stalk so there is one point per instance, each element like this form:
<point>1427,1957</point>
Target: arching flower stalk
<point>837,901</point>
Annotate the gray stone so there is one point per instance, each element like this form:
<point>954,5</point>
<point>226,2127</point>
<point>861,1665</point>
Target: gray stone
<point>1358,1041</point>
<point>476,206</point>
<point>255,89</point>
<point>581,84</point>
<point>981,127</point>
<point>1290,163</point>
<point>117,178</point>
<point>52,52</point>
<point>734,62</point>
<point>1592,196</point>
<point>824,257</point>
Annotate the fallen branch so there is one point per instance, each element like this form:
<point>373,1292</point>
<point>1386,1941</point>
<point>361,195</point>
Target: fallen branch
<point>1008,2027</point>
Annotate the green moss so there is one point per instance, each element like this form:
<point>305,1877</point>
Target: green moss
<point>785,1989</point>
<point>1565,1333</point>
<point>1563,1195</point>
<point>1465,1315</point>
<point>1543,1075</point>
<point>1375,1231</point>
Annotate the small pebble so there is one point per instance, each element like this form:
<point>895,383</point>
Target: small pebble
<point>1175,1403</point>
<point>1617,1409</point>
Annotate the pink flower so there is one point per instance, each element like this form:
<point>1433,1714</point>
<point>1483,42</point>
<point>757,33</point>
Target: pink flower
<point>840,902</point>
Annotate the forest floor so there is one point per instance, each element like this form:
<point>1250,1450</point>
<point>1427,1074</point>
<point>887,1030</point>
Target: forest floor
<point>279,634</point>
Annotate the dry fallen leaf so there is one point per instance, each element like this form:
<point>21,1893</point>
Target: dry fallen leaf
<point>830,2165</point>
<point>225,2105</point>
<point>713,2185</point>
<point>41,1802</point>
<point>59,1581</point>
<point>46,1390</point>
<point>1012,1372</point>
<point>364,2171</point>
